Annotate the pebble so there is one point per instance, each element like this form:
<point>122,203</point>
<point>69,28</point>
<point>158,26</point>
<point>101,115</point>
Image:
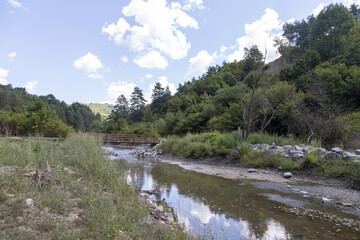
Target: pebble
<point>250,170</point>
<point>325,200</point>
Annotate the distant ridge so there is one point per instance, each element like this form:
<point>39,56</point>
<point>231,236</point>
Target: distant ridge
<point>103,109</point>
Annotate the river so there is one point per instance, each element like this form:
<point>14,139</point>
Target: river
<point>217,208</point>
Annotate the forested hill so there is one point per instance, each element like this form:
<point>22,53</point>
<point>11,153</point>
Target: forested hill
<point>312,92</point>
<point>25,114</point>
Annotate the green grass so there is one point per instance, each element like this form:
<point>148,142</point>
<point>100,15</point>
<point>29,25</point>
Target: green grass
<point>97,192</point>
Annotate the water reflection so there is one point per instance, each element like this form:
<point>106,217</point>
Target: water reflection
<point>223,209</point>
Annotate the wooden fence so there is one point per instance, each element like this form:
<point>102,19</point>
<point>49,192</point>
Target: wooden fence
<point>113,138</point>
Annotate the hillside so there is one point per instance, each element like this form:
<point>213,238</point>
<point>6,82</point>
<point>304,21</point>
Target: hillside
<point>103,109</point>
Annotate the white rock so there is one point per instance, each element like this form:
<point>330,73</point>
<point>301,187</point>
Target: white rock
<point>337,150</point>
<point>287,175</point>
<point>250,170</point>
<point>29,202</point>
<point>349,155</point>
<point>325,200</point>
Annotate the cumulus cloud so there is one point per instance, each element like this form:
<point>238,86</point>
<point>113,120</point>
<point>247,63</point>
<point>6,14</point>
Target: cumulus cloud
<point>346,3</point>
<point>115,89</point>
<point>12,55</point>
<point>90,64</point>
<point>31,87</point>
<point>164,83</point>
<point>261,33</point>
<point>124,59</point>
<point>200,63</point>
<point>156,29</point>
<point>193,4</point>
<point>14,3</point>
<point>3,75</point>
<point>152,60</point>
<point>148,76</point>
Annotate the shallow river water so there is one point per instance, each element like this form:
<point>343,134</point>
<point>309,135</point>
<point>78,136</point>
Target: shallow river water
<point>217,208</point>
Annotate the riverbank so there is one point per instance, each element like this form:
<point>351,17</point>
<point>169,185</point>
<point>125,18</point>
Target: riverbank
<point>221,167</point>
<point>70,190</point>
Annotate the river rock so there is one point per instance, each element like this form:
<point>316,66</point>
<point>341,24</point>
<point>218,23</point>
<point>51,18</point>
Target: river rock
<point>319,151</point>
<point>296,154</point>
<point>325,200</point>
<point>308,148</point>
<point>337,150</point>
<point>332,155</point>
<point>357,152</point>
<point>349,155</point>
<point>287,175</point>
<point>273,146</point>
<point>298,148</point>
<point>251,170</point>
<point>287,147</point>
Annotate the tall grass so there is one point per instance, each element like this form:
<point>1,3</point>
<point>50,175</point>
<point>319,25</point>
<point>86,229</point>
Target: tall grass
<point>204,144</point>
<point>97,188</point>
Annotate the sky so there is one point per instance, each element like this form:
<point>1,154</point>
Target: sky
<point>91,51</point>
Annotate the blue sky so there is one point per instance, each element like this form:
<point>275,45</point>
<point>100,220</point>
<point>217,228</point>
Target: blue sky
<point>93,51</point>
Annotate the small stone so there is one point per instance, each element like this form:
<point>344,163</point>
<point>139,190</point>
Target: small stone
<point>337,150</point>
<point>357,152</point>
<point>287,147</point>
<point>280,168</point>
<point>287,175</point>
<point>345,204</point>
<point>251,170</point>
<point>29,202</point>
<point>160,208</point>
<point>298,148</point>
<point>325,200</point>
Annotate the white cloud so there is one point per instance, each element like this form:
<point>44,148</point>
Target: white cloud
<point>31,87</point>
<point>124,59</point>
<point>3,75</point>
<point>193,4</point>
<point>148,76</point>
<point>115,89</point>
<point>90,64</point>
<point>261,33</point>
<point>223,49</point>
<point>346,3</point>
<point>12,55</point>
<point>151,60</point>
<point>14,3</point>
<point>200,63</point>
<point>156,29</point>
<point>164,83</point>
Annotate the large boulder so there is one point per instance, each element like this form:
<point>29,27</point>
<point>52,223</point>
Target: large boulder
<point>337,150</point>
<point>296,154</point>
<point>332,155</point>
<point>319,151</point>
<point>349,155</point>
<point>298,148</point>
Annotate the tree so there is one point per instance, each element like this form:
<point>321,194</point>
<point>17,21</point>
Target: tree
<point>137,101</point>
<point>137,104</point>
<point>121,109</point>
<point>326,32</point>
<point>160,99</point>
<point>254,61</point>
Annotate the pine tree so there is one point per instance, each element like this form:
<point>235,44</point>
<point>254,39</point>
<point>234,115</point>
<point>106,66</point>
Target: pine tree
<point>137,100</point>
<point>121,109</point>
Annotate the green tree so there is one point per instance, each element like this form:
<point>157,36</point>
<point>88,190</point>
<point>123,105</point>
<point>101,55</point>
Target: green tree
<point>137,104</point>
<point>121,109</point>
